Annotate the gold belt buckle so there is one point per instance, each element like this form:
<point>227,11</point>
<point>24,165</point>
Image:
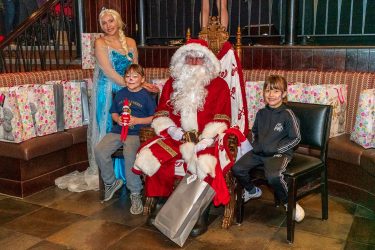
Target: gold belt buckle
<point>191,136</point>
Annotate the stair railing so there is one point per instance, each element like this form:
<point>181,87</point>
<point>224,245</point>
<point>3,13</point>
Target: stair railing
<point>45,40</point>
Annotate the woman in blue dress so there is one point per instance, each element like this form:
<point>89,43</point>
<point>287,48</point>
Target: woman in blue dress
<point>114,52</point>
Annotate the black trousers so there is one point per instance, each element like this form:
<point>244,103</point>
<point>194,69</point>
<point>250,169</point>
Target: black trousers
<point>274,167</point>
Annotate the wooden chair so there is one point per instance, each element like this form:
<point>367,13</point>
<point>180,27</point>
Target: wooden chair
<point>305,174</point>
<point>215,34</point>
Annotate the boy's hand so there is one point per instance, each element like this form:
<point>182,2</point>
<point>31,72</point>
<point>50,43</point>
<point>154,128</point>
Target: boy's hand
<point>119,121</point>
<point>130,121</point>
<point>123,120</point>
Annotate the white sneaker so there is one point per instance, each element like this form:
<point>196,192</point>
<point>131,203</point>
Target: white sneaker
<point>300,213</point>
<point>136,201</point>
<point>109,190</point>
<point>256,192</point>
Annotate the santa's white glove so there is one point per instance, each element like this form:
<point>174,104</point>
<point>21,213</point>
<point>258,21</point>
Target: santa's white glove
<point>203,144</point>
<point>176,133</point>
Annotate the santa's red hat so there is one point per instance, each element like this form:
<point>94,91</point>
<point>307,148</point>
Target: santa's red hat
<point>194,46</point>
<point>198,41</point>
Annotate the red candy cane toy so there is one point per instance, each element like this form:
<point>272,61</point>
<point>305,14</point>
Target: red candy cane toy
<point>125,119</point>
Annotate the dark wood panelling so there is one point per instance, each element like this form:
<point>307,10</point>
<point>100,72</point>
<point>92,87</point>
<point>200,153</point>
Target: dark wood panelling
<point>307,59</point>
<point>257,58</point>
<point>141,56</point>
<point>318,59</point>
<point>246,57</point>
<point>286,59</point>
<point>351,60</point>
<point>276,59</point>
<point>156,57</point>
<point>296,59</point>
<point>267,59</point>
<point>363,60</point>
<point>339,59</point>
<point>279,57</point>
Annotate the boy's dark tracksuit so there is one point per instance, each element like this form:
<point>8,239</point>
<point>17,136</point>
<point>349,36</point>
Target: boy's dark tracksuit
<point>275,133</point>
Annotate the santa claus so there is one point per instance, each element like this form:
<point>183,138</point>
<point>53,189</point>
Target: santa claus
<point>194,108</point>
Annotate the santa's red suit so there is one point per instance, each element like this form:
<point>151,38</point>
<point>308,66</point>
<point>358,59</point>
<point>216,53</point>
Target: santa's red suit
<point>160,158</point>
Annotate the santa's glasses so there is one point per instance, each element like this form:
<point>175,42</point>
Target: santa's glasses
<point>193,60</point>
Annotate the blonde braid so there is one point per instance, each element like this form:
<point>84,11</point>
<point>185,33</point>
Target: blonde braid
<point>123,42</point>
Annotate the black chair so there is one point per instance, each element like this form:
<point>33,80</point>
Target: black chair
<point>305,173</point>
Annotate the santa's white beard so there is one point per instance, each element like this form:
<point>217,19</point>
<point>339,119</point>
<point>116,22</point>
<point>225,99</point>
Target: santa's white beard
<point>189,94</point>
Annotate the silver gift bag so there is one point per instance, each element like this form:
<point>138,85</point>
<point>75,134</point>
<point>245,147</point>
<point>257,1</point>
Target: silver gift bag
<point>180,213</point>
<point>85,103</point>
<point>58,95</point>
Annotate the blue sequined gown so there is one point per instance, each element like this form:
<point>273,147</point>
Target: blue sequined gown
<point>103,92</point>
<point>100,124</point>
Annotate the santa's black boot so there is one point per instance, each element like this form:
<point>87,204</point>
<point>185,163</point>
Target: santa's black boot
<point>160,201</point>
<point>202,224</point>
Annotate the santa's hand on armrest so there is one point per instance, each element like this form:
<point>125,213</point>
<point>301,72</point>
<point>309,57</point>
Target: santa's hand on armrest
<point>203,144</point>
<point>176,133</point>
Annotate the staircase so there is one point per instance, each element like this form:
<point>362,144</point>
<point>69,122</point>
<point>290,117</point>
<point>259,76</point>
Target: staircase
<point>46,40</point>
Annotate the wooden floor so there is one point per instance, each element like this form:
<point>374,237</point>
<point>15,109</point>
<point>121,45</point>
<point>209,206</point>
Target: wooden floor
<point>58,219</point>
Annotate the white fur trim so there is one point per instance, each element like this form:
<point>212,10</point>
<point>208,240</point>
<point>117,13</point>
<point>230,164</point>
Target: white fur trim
<point>197,47</point>
<point>161,123</point>
<point>206,165</point>
<point>187,151</point>
<point>188,154</point>
<point>212,129</point>
<point>147,162</point>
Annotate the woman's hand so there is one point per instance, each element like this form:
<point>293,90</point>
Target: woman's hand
<point>150,87</point>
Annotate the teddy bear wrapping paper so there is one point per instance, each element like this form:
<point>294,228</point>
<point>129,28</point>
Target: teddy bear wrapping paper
<point>27,111</point>
<point>11,126</point>
<point>43,108</point>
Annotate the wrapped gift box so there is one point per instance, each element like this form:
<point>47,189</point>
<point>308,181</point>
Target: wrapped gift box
<point>88,49</point>
<point>72,105</point>
<point>76,111</point>
<point>296,92</point>
<point>364,129</point>
<point>41,97</point>
<point>11,126</point>
<point>26,111</point>
<point>332,94</point>
<point>254,97</point>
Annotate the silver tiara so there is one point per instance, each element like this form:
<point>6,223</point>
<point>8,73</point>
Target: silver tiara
<point>103,9</point>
